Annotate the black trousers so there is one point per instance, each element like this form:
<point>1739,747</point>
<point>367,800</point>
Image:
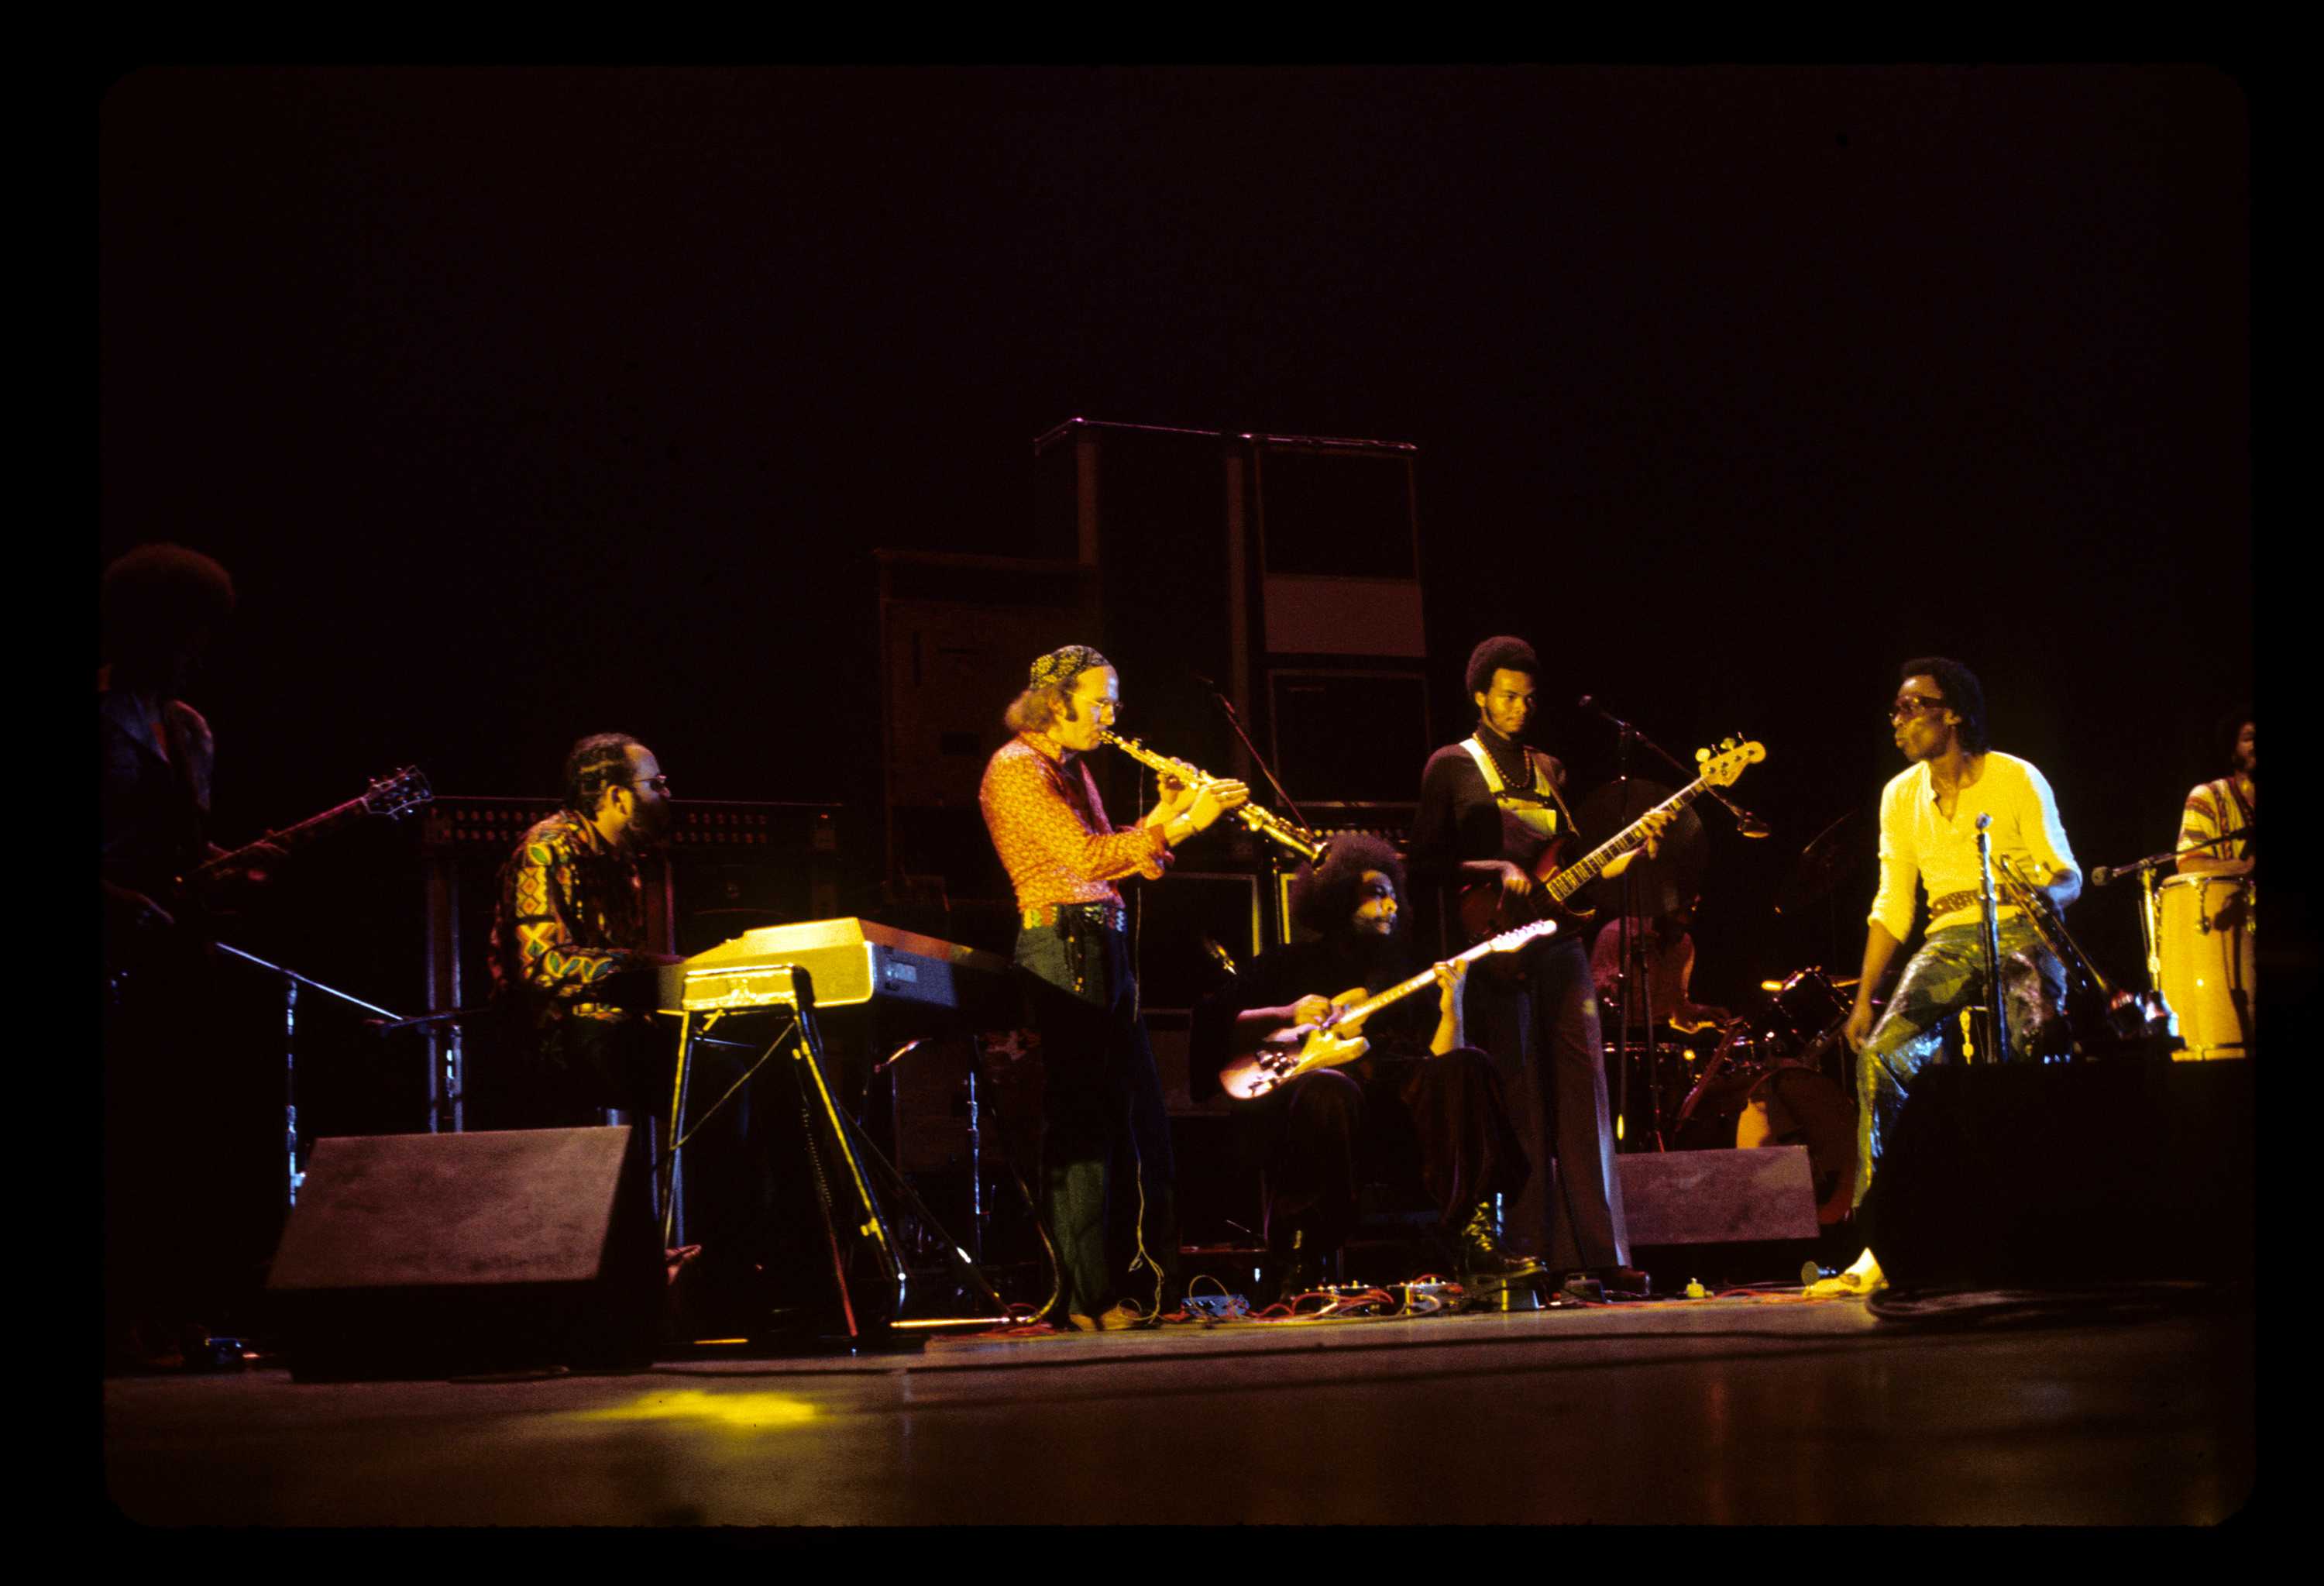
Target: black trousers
<point>1543,1035</point>
<point>1106,1168</point>
<point>1436,1127</point>
<point>195,1153</point>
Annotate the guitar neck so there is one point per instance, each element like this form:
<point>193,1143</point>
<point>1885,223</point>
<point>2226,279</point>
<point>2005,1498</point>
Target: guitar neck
<point>290,837</point>
<point>1586,870</point>
<point>1403,989</point>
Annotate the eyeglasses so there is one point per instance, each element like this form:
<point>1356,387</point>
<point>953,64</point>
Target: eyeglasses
<point>1913,705</point>
<point>658,784</point>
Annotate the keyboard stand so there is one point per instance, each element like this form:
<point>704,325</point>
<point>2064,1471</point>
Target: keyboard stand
<point>850,1179</point>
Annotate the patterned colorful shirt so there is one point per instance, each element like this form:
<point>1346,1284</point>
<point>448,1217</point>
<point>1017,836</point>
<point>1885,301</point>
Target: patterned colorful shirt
<point>1048,825</point>
<point>571,911</point>
<point>2213,810</point>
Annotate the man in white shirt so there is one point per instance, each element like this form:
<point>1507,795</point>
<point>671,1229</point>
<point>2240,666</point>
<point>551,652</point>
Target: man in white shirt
<point>1928,836</point>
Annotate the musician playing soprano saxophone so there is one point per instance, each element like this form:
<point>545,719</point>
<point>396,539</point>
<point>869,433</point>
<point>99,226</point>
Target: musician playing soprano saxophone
<point>1106,1139</point>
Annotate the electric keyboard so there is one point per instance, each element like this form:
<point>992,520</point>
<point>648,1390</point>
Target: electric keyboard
<point>848,963</point>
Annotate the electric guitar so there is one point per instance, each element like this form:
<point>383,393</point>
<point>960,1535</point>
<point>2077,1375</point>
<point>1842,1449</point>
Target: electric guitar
<point>1486,907</point>
<point>1303,1048</point>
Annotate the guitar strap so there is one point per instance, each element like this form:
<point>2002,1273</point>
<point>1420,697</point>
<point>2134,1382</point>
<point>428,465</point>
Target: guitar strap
<point>1541,823</point>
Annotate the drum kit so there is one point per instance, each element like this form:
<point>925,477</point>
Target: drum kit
<point>1779,1077</point>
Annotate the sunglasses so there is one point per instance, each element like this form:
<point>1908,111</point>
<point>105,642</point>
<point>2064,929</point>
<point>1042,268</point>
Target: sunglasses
<point>1913,705</point>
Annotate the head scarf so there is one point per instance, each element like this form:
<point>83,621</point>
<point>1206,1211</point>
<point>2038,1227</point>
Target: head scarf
<point>1059,668</point>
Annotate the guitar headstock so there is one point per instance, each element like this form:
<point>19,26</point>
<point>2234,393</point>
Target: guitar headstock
<point>1721,769</point>
<point>1510,940</point>
<point>398,793</point>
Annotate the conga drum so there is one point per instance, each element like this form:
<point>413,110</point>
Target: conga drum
<point>2205,939</point>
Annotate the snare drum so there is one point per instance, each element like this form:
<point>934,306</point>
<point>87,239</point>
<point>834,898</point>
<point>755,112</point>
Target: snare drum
<point>2208,979</point>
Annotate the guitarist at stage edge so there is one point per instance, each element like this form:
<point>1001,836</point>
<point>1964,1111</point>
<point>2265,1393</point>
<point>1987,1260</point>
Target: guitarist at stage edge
<point>1488,807</point>
<point>1419,1108</point>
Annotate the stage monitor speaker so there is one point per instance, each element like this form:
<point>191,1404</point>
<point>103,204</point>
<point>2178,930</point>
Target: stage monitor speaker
<point>2031,1176</point>
<point>430,1255</point>
<point>1717,1197</point>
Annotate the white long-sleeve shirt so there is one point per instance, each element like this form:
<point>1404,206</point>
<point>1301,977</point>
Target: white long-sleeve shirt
<point>1918,844</point>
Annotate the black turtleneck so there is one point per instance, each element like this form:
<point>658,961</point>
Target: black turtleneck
<point>1460,820</point>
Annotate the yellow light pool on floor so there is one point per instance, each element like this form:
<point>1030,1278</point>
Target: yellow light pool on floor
<point>742,1412</point>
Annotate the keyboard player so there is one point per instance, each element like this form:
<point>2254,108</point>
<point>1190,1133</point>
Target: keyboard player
<point>1106,1159</point>
<point>576,985</point>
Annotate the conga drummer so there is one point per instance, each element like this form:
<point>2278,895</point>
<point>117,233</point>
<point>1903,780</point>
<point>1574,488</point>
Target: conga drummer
<point>2204,932</point>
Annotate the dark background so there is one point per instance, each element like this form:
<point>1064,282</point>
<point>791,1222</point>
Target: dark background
<point>527,403</point>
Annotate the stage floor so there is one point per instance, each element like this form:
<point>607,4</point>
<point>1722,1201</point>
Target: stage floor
<point>1715,1411</point>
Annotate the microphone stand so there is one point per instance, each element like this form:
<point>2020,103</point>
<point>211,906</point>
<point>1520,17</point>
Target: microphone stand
<point>1997,1013</point>
<point>291,981</point>
<point>1637,989</point>
<point>1745,824</point>
<point>1274,853</point>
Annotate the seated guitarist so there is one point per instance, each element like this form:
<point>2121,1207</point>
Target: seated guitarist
<point>1490,809</point>
<point>1418,1108</point>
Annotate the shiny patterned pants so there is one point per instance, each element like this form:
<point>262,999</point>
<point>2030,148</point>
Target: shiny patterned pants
<point>1945,976</point>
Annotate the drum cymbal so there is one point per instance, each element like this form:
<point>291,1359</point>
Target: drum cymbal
<point>1829,859</point>
<point>1663,882</point>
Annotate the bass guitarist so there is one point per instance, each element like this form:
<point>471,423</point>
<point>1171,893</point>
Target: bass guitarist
<point>1489,808</point>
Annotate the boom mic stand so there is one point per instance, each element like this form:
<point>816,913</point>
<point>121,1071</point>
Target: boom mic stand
<point>291,981</point>
<point>1637,980</point>
<point>1275,854</point>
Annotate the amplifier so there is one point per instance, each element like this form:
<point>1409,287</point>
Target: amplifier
<point>459,824</point>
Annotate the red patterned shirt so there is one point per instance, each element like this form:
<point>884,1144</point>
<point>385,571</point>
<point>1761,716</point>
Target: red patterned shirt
<point>571,911</point>
<point>1041,806</point>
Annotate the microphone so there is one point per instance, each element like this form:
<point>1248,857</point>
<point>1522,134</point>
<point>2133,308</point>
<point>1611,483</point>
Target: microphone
<point>2107,872</point>
<point>1751,826</point>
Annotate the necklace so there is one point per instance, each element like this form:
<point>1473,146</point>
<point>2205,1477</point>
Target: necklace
<point>1520,780</point>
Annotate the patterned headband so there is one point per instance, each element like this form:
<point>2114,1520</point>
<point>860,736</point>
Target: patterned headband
<point>1059,668</point>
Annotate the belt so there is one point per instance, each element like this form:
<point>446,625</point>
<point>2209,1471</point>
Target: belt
<point>1112,917</point>
<point>1940,907</point>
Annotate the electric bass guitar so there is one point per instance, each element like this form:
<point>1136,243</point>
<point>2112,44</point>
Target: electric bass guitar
<point>1303,1048</point>
<point>1487,906</point>
<point>214,881</point>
